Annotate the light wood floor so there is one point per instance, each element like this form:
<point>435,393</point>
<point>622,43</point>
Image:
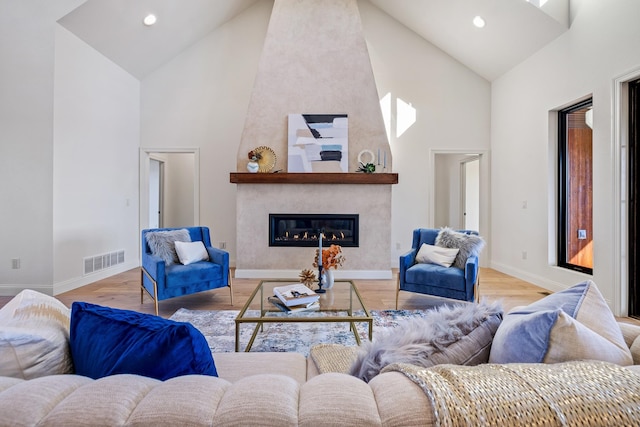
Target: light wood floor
<point>123,291</point>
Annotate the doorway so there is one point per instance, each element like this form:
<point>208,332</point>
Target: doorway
<point>470,170</point>
<point>445,193</point>
<point>456,191</point>
<point>156,193</point>
<point>169,188</point>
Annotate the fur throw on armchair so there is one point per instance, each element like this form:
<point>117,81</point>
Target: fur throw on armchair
<point>460,334</point>
<point>467,244</point>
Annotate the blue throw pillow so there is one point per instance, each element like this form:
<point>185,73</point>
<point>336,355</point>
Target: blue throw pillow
<point>107,341</point>
<point>573,324</point>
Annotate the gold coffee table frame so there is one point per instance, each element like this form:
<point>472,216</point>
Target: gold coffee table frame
<point>342,298</point>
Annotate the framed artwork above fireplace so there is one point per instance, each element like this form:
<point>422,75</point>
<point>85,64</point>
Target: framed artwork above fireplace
<point>318,143</point>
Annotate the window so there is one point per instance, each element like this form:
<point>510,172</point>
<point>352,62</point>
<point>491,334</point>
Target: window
<point>575,179</point>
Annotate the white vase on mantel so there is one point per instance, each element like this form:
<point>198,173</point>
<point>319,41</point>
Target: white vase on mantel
<point>253,167</point>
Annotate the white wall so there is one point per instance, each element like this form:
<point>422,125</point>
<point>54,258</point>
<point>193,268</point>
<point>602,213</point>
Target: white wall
<point>26,142</point>
<point>600,46</point>
<point>197,100</point>
<point>95,162</point>
<point>445,95</point>
<point>200,99</point>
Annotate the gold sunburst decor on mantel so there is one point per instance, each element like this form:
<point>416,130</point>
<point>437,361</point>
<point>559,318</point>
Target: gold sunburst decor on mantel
<point>266,158</point>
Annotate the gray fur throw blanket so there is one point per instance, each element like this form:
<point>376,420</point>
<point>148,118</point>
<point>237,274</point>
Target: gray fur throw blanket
<point>458,334</point>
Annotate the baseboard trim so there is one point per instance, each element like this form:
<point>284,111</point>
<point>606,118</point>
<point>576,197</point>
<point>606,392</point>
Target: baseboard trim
<point>78,282</point>
<point>541,281</point>
<point>10,290</point>
<point>293,274</point>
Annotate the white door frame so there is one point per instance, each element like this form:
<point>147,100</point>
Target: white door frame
<point>620,139</point>
<point>485,187</point>
<point>145,156</point>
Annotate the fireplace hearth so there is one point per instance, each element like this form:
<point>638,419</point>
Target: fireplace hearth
<point>303,230</point>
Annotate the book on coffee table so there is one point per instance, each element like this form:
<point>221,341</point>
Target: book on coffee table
<point>294,308</point>
<point>296,294</point>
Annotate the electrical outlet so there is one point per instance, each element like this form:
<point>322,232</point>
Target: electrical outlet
<point>15,263</point>
<point>582,234</point>
<point>524,254</point>
<point>223,245</point>
<point>398,247</point>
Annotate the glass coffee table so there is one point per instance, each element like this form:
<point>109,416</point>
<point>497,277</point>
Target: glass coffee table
<point>342,303</point>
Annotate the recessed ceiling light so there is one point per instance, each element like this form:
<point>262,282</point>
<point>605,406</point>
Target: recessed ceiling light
<point>149,20</point>
<point>479,22</point>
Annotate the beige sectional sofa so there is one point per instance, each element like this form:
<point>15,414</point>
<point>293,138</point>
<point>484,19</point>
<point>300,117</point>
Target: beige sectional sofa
<point>252,389</point>
<point>266,389</point>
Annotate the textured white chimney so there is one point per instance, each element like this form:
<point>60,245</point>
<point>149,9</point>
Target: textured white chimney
<point>314,61</point>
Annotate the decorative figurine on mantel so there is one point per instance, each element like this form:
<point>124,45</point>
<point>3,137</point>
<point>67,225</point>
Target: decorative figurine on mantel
<point>367,168</point>
<point>254,156</point>
<point>261,159</point>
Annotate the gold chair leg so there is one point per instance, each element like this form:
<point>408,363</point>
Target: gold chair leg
<point>155,291</point>
<point>476,289</point>
<point>154,297</point>
<point>141,285</point>
<point>230,286</point>
<point>397,290</point>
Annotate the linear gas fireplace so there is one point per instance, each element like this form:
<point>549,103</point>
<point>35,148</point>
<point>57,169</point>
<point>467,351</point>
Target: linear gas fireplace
<point>304,229</point>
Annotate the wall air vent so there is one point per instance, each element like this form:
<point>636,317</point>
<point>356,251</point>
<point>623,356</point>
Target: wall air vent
<point>96,263</point>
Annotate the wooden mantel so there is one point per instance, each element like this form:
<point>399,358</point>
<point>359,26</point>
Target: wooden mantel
<point>313,178</point>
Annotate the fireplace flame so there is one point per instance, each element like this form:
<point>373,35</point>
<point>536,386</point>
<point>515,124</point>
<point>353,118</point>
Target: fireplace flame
<point>304,229</point>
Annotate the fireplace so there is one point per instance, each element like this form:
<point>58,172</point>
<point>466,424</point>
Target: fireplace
<point>303,230</point>
<point>284,85</point>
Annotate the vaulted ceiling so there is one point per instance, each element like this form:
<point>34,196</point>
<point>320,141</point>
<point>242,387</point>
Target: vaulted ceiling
<point>515,29</point>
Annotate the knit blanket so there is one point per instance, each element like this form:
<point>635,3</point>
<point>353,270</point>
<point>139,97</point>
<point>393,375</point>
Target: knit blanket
<point>565,394</point>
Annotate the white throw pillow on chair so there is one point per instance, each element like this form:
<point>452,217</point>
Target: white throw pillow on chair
<point>430,254</point>
<point>190,252</point>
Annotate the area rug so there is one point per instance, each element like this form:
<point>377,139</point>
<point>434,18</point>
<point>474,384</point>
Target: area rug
<point>218,327</point>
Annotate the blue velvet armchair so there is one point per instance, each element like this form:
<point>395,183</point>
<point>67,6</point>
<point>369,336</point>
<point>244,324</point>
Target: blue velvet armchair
<point>162,280</point>
<point>432,279</point>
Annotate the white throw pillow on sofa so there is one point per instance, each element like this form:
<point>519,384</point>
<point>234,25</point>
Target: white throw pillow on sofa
<point>190,252</point>
<point>34,336</point>
<point>430,254</point>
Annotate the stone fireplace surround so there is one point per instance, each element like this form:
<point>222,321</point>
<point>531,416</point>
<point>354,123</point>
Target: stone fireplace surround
<point>255,259</point>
